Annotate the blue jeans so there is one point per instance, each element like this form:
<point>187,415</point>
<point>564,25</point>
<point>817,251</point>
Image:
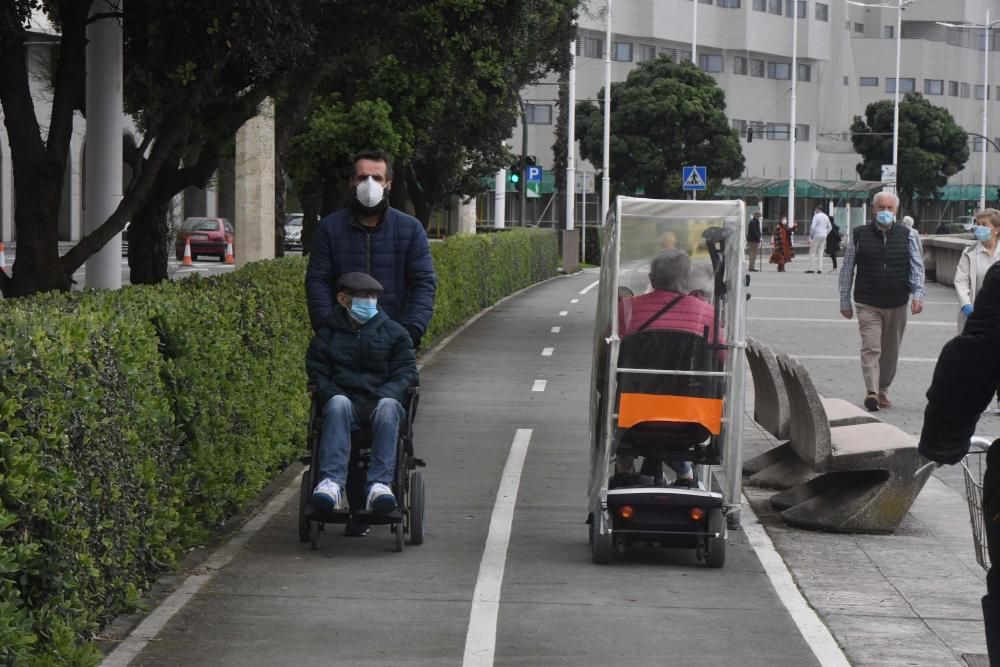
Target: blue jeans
<point>335,439</point>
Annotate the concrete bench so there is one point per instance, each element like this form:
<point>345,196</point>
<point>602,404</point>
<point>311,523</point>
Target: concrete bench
<point>853,477</point>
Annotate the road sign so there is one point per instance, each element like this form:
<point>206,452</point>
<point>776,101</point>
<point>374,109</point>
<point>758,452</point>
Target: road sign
<point>534,189</point>
<point>889,173</point>
<point>533,174</point>
<point>584,181</point>
<point>693,178</point>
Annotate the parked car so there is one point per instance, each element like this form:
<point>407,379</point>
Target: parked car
<point>967,222</point>
<point>293,232</point>
<point>208,236</point>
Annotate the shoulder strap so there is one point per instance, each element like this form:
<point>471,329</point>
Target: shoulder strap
<point>660,312</point>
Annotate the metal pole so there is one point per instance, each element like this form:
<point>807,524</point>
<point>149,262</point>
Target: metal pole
<point>986,102</point>
<point>791,129</point>
<point>694,34</point>
<point>606,178</point>
<point>571,142</point>
<point>895,94</point>
<point>524,151</point>
<point>583,221</point>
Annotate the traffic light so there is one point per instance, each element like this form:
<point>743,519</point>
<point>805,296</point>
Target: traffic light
<point>530,161</point>
<point>514,175</point>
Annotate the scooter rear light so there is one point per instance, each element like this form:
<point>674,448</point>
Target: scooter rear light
<point>626,512</point>
<point>696,513</point>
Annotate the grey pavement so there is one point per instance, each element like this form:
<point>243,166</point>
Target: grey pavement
<point>906,599</point>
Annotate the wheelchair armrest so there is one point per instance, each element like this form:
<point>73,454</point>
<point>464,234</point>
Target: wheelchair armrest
<point>413,391</point>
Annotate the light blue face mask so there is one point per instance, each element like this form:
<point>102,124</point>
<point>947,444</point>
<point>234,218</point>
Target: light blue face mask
<point>885,218</point>
<point>983,233</point>
<point>363,309</point>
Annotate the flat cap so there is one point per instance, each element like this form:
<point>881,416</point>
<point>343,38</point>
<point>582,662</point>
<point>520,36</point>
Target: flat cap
<point>356,281</point>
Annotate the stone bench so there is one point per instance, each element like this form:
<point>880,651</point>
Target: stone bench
<point>850,477</point>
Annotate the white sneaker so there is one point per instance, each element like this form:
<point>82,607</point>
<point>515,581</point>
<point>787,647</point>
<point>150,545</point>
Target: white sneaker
<point>380,499</point>
<point>328,496</point>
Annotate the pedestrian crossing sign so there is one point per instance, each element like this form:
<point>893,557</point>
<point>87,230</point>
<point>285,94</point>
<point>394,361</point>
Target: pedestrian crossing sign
<point>693,178</point>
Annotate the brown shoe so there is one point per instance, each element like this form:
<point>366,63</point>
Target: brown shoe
<point>883,401</point>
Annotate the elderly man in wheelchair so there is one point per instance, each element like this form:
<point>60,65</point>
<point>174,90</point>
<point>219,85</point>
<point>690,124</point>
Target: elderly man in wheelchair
<point>362,365</point>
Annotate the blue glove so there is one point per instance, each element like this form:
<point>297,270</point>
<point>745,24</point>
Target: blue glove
<point>967,309</point>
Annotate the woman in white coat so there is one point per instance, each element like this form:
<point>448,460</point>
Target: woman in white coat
<point>976,259</point>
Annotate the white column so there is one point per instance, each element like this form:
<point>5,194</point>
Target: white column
<point>6,192</point>
<point>500,200</point>
<point>791,129</point>
<point>75,185</point>
<point>606,176</point>
<point>211,200</point>
<point>694,34</point>
<point>986,103</point>
<point>571,141</point>
<point>255,187</point>
<point>103,161</point>
<point>895,95</point>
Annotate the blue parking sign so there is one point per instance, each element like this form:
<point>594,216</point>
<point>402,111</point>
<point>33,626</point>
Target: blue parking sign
<point>533,174</point>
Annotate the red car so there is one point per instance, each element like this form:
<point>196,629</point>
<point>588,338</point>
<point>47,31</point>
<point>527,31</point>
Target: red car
<point>208,236</point>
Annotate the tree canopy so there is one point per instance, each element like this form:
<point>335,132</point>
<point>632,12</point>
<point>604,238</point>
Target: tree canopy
<point>664,116</point>
<point>932,146</point>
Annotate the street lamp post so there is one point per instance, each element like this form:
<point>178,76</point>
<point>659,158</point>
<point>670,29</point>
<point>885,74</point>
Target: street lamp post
<point>793,119</point>
<point>899,6</point>
<point>986,27</point>
<point>606,177</point>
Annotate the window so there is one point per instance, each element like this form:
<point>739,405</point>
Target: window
<point>621,52</point>
<point>710,62</point>
<point>859,27</point>
<point>774,7</point>
<point>868,82</point>
<point>776,131</point>
<point>933,87</point>
<point>740,126</point>
<point>731,4</point>
<point>593,47</point>
<point>963,89</point>
<point>846,81</point>
<point>789,8</point>
<point>888,31</point>
<point>644,52</point>
<point>760,5</point>
<point>538,114</point>
<point>779,70</point>
<point>822,12</point>
<point>977,144</point>
<point>801,133</point>
<point>953,88</point>
<point>980,92</point>
<point>705,2</point>
<point>741,65</point>
<point>905,85</point>
<point>804,72</point>
<point>803,9</point>
<point>676,55</point>
<point>758,68</point>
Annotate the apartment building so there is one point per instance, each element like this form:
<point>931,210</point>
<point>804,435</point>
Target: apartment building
<point>846,60</point>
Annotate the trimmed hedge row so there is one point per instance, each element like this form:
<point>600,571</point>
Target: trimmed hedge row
<point>133,423</point>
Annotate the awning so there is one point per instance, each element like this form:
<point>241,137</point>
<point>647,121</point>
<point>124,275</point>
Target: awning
<point>778,187</point>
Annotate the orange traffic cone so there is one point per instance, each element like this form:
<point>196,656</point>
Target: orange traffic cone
<point>187,253</point>
<point>229,253</point>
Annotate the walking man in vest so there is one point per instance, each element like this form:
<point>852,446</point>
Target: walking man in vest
<point>890,269</point>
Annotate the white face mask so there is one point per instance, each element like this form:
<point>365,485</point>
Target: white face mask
<point>369,192</point>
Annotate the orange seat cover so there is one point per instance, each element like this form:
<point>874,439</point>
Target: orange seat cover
<point>636,408</point>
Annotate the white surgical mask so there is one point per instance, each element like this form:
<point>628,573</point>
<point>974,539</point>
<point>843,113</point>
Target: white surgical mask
<point>369,192</point>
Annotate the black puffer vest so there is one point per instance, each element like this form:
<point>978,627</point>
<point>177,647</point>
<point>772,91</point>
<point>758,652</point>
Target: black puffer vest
<point>883,265</point>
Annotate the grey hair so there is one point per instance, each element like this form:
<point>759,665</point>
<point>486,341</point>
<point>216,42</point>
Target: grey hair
<point>884,194</point>
<point>990,215</point>
<point>669,271</point>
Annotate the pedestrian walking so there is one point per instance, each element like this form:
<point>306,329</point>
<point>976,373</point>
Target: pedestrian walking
<point>975,261</point>
<point>818,231</point>
<point>833,242</point>
<point>781,244</point>
<point>890,270</point>
<point>965,379</point>
<point>908,222</point>
<point>753,239</point>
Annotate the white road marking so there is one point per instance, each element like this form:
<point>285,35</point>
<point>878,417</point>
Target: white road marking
<point>161,615</point>
<point>856,357</point>
<point>910,322</point>
<point>556,329</point>
<point>813,630</point>
<point>563,313</point>
<point>547,351</point>
<point>481,637</point>
<point>574,301</point>
<point>539,385</point>
<point>590,287</point>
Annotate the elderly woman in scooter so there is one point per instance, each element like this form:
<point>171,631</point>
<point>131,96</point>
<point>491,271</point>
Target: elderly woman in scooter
<point>976,260</point>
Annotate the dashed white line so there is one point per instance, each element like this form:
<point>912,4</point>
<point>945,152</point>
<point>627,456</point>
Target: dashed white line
<point>547,351</point>
<point>855,357</point>
<point>913,321</point>
<point>563,313</point>
<point>590,287</point>
<point>556,329</point>
<point>574,301</point>
<point>481,637</point>
<point>539,385</point>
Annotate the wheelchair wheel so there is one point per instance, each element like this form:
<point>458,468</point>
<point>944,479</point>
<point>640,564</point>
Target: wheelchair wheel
<point>304,493</point>
<point>397,529</point>
<point>716,555</point>
<point>314,527</point>
<point>416,508</point>
<point>601,546</point>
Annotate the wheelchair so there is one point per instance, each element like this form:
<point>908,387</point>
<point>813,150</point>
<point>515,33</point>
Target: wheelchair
<point>407,484</point>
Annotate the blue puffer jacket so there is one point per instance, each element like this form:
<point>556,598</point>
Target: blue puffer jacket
<point>371,362</point>
<point>395,253</point>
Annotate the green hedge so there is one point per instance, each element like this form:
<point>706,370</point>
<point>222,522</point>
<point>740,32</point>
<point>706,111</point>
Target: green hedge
<point>134,423</point>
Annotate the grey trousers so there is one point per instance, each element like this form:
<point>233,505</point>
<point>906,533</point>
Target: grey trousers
<point>881,335</point>
<point>753,251</point>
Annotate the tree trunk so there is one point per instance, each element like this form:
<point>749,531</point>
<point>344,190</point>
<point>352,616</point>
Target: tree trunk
<point>310,198</point>
<point>422,208</point>
<point>147,243</point>
<point>36,265</point>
